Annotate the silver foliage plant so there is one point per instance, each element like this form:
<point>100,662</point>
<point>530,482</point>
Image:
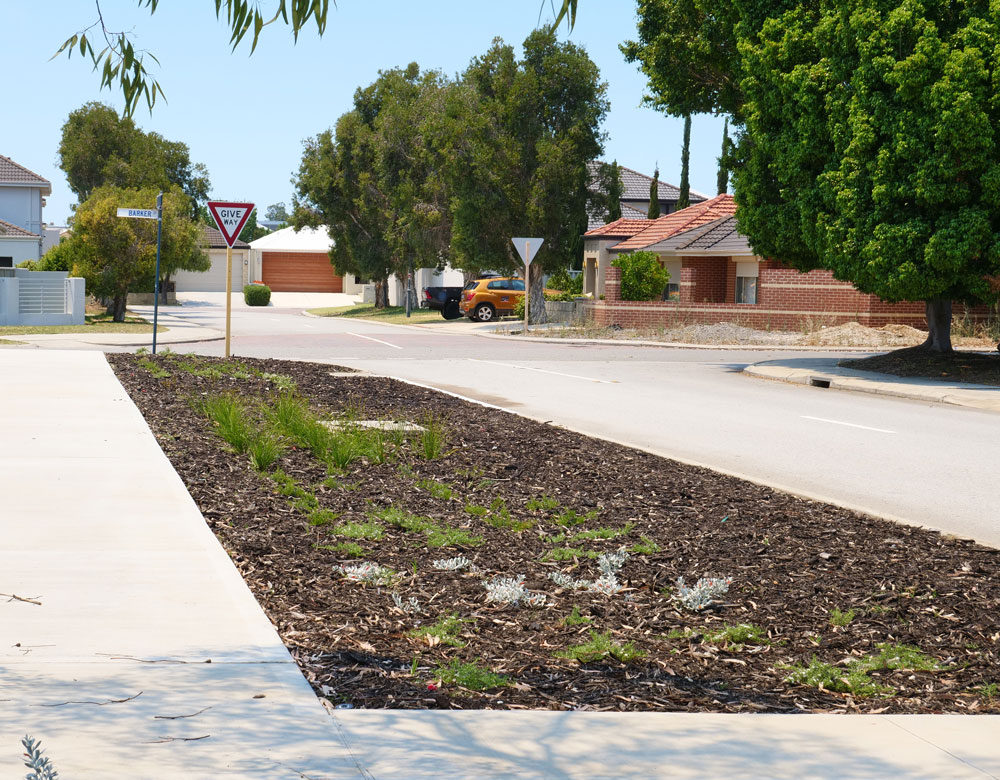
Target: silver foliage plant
<point>411,605</point>
<point>609,565</point>
<point>704,592</point>
<point>511,591</point>
<point>366,573</point>
<point>41,767</point>
<point>454,564</point>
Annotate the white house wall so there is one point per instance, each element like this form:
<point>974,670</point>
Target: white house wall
<point>19,249</point>
<point>214,279</point>
<point>22,206</point>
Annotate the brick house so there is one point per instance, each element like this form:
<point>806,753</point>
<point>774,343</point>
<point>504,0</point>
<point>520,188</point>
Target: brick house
<point>715,276</point>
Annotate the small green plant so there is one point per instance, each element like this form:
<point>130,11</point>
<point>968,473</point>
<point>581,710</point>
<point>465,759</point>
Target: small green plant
<point>257,294</point>
<point>642,276</point>
<point>601,646</point>
<point>353,549</point>
<point>443,536</point>
<point>264,449</point>
<point>155,369</point>
<point>444,632</point>
<point>645,547</point>
<point>471,676</point>
<point>989,691</point>
<point>432,438</point>
<point>437,489</point>
<point>819,674</point>
<point>838,618</point>
<point>894,656</point>
<point>681,633</point>
<point>543,503</point>
<point>568,554</point>
<point>576,618</point>
<point>476,510</point>
<point>284,383</point>
<point>737,635</point>
<point>321,517</point>
<point>571,517</point>
<point>370,530</point>
<point>500,517</point>
<point>302,499</point>
<point>232,420</point>
<point>437,535</point>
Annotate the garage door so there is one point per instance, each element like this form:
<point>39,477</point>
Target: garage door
<point>214,279</point>
<point>299,272</point>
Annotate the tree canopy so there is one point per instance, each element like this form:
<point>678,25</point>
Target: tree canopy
<point>99,148</point>
<point>868,145</point>
<point>113,254</point>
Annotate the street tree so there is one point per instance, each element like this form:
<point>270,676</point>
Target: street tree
<point>277,212</point>
<point>722,178</point>
<point>867,144</point>
<point>606,191</point>
<point>522,133</point>
<point>114,253</point>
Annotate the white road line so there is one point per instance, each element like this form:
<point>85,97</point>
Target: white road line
<point>394,346</point>
<point>849,425</point>
<point>543,371</point>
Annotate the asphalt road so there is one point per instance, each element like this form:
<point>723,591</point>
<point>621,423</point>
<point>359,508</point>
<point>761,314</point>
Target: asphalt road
<point>929,464</point>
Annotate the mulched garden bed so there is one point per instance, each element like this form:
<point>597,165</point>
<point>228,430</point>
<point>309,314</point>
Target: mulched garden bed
<point>890,618</point>
<point>976,367</point>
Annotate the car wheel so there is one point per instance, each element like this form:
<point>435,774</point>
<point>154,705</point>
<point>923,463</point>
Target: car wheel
<point>485,313</point>
<point>451,311</point>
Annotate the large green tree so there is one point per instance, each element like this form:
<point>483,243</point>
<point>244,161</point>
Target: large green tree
<point>100,148</point>
<point>114,253</point>
<point>868,145</point>
<point>684,196</point>
<point>606,191</point>
<point>653,210</point>
<point>515,159</point>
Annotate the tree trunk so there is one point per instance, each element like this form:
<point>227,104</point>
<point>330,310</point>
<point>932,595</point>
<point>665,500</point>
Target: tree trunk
<point>118,307</point>
<point>381,293</point>
<point>938,325</point>
<point>536,312</point>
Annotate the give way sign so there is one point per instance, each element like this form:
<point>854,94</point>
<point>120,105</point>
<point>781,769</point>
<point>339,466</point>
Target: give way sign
<point>230,217</point>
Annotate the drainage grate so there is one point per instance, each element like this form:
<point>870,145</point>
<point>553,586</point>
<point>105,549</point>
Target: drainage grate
<point>818,381</point>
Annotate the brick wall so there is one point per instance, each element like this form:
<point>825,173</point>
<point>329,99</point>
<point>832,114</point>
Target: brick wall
<point>786,300</point>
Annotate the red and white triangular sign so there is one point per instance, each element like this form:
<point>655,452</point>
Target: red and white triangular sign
<point>230,217</point>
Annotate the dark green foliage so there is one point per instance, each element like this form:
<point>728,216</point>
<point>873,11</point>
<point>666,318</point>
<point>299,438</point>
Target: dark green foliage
<point>722,180</point>
<point>606,195</point>
<point>684,198</point>
<point>654,196</point>
<point>257,294</point>
<point>643,278</point>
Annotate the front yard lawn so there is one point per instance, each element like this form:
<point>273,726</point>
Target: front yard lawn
<point>489,561</point>
<point>94,323</point>
<point>394,314</point>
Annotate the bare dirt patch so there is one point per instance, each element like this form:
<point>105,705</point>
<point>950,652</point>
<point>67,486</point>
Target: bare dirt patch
<point>827,610</point>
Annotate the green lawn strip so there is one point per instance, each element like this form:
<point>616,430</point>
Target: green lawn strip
<point>367,311</point>
<point>135,326</point>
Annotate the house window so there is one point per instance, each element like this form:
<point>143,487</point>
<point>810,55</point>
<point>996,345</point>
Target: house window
<point>746,282</point>
<point>6,262</point>
<point>673,292</point>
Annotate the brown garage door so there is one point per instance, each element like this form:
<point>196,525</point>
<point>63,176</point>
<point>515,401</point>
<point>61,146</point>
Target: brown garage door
<point>299,272</point>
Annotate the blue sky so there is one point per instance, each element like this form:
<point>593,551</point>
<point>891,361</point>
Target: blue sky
<point>245,117</point>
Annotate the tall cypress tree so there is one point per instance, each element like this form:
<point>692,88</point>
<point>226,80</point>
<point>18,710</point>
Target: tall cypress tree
<point>654,195</point>
<point>723,179</point>
<point>684,199</point>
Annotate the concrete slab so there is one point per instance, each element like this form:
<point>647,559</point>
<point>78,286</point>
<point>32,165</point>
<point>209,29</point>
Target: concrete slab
<point>136,595</point>
<point>484,744</point>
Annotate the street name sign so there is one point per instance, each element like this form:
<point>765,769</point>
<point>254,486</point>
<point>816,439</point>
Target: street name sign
<point>138,213</point>
<point>527,248</point>
<point>230,217</point>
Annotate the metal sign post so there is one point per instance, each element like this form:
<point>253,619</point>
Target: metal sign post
<point>231,219</point>
<point>156,214</point>
<point>523,247</point>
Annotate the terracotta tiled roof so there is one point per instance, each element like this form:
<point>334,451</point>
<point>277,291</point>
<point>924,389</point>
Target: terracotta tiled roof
<point>15,231</point>
<point>13,173</point>
<point>679,221</point>
<point>620,228</point>
<point>212,237</point>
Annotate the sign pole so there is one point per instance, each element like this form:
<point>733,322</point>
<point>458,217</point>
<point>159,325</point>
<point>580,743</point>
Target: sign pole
<point>156,281</point>
<point>229,294</point>
<point>527,284</point>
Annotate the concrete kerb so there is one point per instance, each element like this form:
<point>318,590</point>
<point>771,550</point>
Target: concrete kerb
<point>824,373</point>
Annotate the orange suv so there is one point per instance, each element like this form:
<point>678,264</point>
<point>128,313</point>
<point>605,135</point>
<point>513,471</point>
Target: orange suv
<point>486,299</point>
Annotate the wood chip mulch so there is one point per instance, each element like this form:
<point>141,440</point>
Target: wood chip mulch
<point>798,567</point>
<point>975,367</point>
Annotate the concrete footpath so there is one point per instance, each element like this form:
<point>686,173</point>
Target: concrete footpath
<point>147,656</point>
<point>825,373</point>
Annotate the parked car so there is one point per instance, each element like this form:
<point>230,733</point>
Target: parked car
<point>445,300</point>
<point>487,299</point>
